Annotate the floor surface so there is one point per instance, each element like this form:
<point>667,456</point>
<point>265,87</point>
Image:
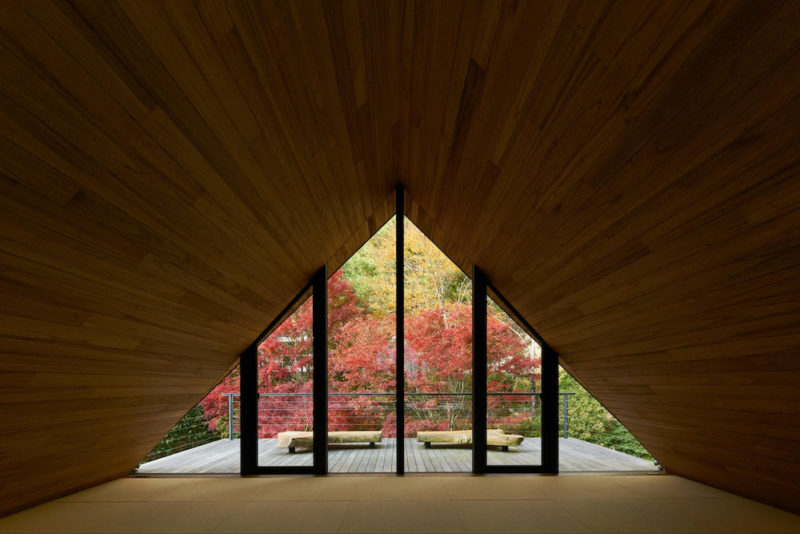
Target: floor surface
<point>423,503</point>
<point>223,457</point>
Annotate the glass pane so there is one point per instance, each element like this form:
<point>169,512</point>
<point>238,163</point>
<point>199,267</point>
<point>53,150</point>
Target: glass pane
<point>514,424</point>
<point>438,359</point>
<point>361,359</point>
<point>285,382</point>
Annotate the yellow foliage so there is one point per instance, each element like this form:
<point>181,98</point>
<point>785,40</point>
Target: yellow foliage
<point>431,279</point>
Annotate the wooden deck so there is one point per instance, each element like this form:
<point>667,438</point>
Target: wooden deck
<point>223,457</point>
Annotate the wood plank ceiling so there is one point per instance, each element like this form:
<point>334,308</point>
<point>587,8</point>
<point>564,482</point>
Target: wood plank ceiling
<point>171,173</point>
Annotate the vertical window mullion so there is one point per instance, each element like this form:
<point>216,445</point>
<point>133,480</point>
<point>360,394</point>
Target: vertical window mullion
<point>400,367</point>
<point>549,410</point>
<point>248,410</point>
<point>479,370</point>
<point>320,373</point>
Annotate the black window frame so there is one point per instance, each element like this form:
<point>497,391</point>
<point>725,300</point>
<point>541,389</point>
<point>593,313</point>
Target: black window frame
<point>318,286</point>
<point>249,386</point>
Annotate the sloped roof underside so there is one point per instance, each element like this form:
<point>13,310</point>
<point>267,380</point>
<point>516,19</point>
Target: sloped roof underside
<point>173,173</point>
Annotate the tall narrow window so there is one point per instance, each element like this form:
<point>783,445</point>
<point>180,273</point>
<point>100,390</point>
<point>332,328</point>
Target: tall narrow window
<point>362,361</point>
<point>516,396</point>
<point>284,388</point>
<point>514,385</point>
<point>285,392</point>
<point>438,358</point>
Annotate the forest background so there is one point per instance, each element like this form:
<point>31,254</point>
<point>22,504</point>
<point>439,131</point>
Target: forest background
<point>438,354</point>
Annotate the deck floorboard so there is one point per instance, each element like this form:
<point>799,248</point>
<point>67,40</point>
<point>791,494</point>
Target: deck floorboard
<point>223,457</point>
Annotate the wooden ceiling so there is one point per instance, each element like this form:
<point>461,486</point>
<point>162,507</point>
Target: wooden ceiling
<point>171,173</point>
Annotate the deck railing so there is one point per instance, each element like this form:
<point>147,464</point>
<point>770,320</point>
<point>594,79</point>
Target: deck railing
<point>513,411</point>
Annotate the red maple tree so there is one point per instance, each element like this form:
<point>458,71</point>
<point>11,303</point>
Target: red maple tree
<point>361,359</point>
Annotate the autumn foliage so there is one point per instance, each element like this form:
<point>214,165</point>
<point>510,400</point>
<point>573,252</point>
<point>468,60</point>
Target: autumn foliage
<point>362,360</point>
<point>438,359</point>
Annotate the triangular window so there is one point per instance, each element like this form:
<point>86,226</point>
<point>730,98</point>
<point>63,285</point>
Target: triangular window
<point>362,381</point>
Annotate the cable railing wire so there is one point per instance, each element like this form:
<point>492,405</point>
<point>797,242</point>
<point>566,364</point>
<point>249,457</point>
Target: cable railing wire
<point>194,429</point>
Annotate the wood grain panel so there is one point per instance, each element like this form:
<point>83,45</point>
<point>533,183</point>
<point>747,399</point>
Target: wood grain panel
<point>626,173</point>
<point>170,179</point>
<point>633,190</point>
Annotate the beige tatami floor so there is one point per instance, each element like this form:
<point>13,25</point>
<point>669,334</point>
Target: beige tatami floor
<point>386,503</point>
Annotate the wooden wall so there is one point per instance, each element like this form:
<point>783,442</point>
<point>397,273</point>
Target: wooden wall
<point>171,173</point>
<point>632,186</point>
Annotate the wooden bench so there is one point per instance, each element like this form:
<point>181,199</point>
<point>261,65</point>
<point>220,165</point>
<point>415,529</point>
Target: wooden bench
<point>294,439</point>
<point>494,436</point>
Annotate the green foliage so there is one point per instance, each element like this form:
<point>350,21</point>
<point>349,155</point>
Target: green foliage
<point>432,280</point>
<point>530,427</point>
<point>589,421</point>
<point>191,431</point>
<point>361,271</point>
<point>371,271</point>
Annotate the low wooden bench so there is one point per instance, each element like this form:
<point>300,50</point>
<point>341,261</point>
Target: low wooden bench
<point>294,439</point>
<point>494,436</point>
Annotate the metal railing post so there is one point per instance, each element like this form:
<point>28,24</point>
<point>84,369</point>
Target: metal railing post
<point>230,416</point>
<point>566,413</point>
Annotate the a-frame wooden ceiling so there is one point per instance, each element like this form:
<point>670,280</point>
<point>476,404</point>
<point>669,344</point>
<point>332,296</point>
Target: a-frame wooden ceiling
<point>171,173</point>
